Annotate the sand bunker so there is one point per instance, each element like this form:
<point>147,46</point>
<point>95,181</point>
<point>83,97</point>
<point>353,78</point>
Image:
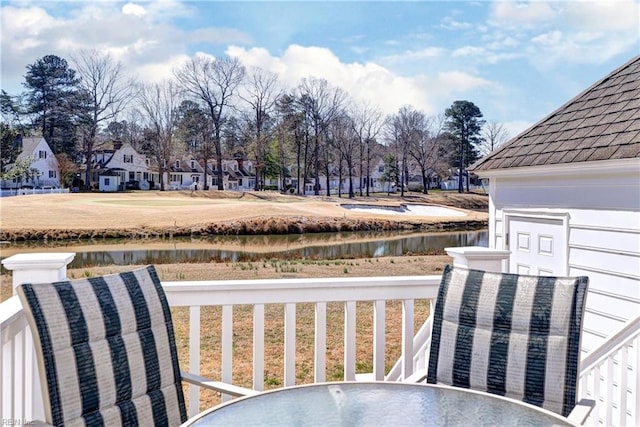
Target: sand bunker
<point>419,210</point>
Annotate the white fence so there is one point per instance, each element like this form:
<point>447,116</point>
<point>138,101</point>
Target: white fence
<point>31,191</point>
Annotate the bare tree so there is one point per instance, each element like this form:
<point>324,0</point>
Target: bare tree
<point>345,141</point>
<point>104,93</point>
<point>367,123</point>
<point>291,133</point>
<point>159,103</point>
<point>494,136</point>
<point>321,104</point>
<point>427,150</point>
<point>404,129</point>
<point>261,92</point>
<point>213,82</point>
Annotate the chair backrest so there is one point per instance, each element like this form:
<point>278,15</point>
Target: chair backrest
<point>106,350</point>
<point>513,335</point>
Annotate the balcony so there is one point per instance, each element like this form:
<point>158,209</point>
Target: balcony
<point>244,313</point>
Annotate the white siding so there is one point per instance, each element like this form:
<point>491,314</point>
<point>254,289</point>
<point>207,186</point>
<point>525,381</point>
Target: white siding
<point>604,237</point>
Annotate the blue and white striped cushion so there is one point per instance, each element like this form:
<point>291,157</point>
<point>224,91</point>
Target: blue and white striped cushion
<point>106,349</point>
<point>512,335</point>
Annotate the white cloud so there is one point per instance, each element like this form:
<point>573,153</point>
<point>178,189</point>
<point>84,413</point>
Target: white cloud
<point>133,9</point>
<point>468,51</point>
<point>600,16</point>
<point>452,24</point>
<point>517,14</point>
<point>551,38</point>
<point>364,81</point>
<point>135,38</point>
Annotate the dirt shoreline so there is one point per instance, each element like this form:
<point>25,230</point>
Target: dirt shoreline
<point>178,214</point>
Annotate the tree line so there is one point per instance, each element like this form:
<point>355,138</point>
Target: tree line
<point>215,108</point>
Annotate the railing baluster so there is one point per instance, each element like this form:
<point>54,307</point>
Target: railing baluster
<point>227,347</point>
<point>12,376</point>
<point>349,340</point>
<point>194,357</point>
<point>379,317</point>
<point>258,347</point>
<point>289,344</point>
<point>320,343</point>
<point>634,349</point>
<point>610,385</point>
<point>407,338</point>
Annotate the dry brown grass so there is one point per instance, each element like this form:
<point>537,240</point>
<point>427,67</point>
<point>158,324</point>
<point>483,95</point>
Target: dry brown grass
<point>148,214</point>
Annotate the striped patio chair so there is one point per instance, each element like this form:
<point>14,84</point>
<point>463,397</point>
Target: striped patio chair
<point>513,335</point>
<point>106,351</point>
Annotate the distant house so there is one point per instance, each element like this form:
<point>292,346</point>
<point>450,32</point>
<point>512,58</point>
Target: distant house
<point>110,181</point>
<point>185,173</point>
<point>44,170</point>
<point>124,161</point>
<point>565,198</point>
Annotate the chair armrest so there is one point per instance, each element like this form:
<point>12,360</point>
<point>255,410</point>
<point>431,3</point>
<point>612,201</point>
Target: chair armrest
<point>225,388</point>
<point>581,411</point>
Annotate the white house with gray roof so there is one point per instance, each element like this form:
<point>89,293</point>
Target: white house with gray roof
<point>565,200</point>
<point>44,170</point>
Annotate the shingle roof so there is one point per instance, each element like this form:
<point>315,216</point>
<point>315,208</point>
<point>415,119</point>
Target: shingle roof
<point>29,145</point>
<point>601,123</point>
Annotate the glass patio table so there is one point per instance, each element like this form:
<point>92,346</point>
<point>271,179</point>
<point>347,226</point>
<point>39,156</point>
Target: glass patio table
<point>375,404</point>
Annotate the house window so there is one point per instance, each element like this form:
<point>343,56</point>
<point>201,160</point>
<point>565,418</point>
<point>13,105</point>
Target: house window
<point>42,154</point>
<point>240,182</point>
<point>52,174</point>
<point>381,169</point>
<point>145,176</point>
<point>235,167</point>
<point>224,167</point>
<point>177,163</point>
<point>193,164</point>
<point>132,176</point>
<point>128,158</point>
<point>147,161</point>
<point>164,163</point>
<point>107,181</point>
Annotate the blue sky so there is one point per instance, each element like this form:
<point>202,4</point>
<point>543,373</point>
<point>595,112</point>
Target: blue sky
<point>517,61</point>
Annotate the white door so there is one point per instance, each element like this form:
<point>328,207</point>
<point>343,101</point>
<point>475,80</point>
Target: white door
<point>538,246</point>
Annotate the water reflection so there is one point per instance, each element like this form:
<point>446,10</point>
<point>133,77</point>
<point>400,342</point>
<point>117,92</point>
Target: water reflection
<point>248,248</point>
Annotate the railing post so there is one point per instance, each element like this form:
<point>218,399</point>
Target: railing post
<point>34,268</point>
<point>479,258</point>
<point>38,267</point>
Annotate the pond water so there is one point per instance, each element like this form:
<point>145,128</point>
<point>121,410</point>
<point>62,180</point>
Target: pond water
<point>250,248</point>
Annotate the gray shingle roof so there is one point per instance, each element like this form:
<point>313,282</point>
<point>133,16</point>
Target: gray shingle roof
<point>601,123</point>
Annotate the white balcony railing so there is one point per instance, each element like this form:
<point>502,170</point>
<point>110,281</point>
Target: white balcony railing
<point>609,374</point>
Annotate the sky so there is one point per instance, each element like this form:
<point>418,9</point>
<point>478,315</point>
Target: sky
<point>517,61</point>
